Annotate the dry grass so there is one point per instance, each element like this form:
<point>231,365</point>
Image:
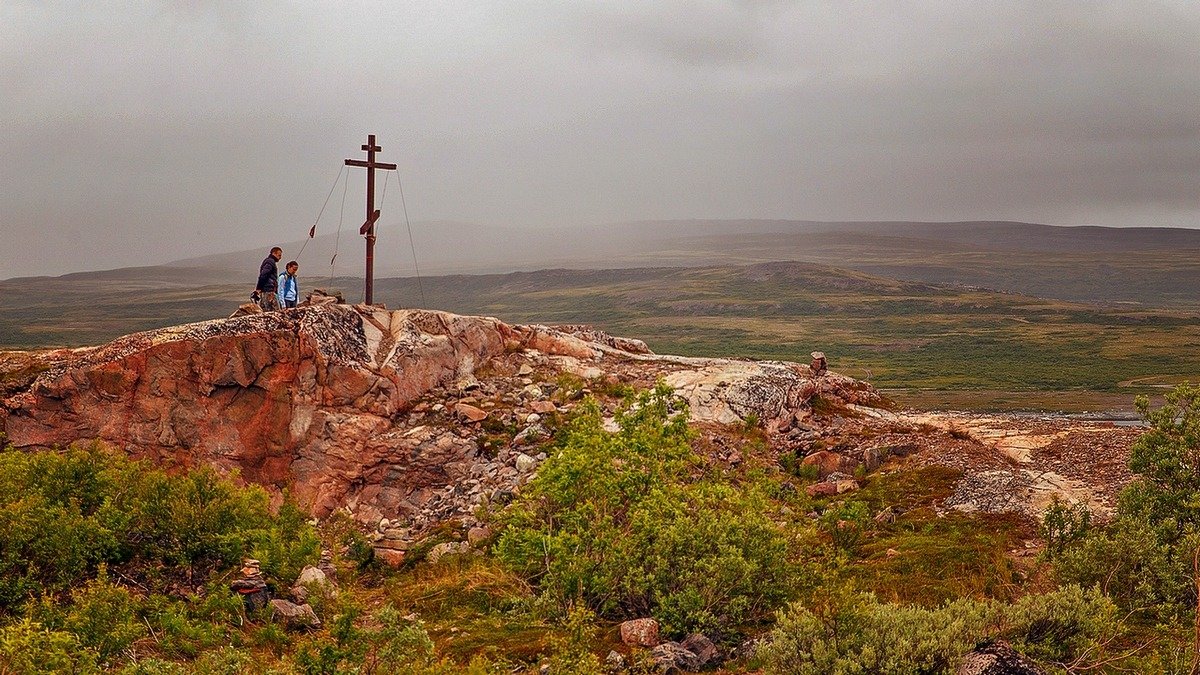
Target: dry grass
<point>470,605</point>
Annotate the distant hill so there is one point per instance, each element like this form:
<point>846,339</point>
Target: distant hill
<point>1001,235</point>
<point>1112,267</point>
<point>441,247</point>
<point>897,333</point>
<point>1149,266</point>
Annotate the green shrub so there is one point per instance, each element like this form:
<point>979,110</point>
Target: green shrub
<point>63,514</point>
<point>1144,558</point>
<point>393,646</point>
<point>345,645</point>
<point>185,629</point>
<point>104,617</point>
<point>625,524</point>
<point>286,545</point>
<point>1064,524</point>
<point>1167,457</point>
<point>849,632</point>
<point>195,520</point>
<point>1140,564</point>
<point>572,653</point>
<point>29,647</point>
<point>273,638</point>
<point>845,524</point>
<point>792,464</point>
<point>1061,625</point>
<point>46,547</point>
<point>1170,654</point>
<point>400,646</point>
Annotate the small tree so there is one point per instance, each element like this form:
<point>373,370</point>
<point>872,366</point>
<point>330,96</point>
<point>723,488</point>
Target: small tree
<point>1145,558</point>
<point>627,523</point>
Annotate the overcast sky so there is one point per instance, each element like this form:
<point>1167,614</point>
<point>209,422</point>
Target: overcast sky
<point>137,133</point>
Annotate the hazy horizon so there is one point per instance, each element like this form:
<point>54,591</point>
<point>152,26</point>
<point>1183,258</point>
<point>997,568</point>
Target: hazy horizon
<point>168,131</point>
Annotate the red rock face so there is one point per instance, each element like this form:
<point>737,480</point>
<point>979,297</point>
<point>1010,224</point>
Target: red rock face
<point>227,400</point>
<point>320,401</point>
<point>303,399</point>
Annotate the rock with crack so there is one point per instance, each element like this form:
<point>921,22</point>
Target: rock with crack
<point>366,409</point>
<point>639,632</point>
<point>706,652</point>
<point>294,617</point>
<point>670,656</point>
<point>311,579</point>
<point>730,392</point>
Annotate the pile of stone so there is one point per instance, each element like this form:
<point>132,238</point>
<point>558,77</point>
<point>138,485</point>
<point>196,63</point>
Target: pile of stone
<point>693,653</point>
<point>819,365</point>
<point>996,491</point>
<point>325,564</point>
<point>320,296</point>
<point>251,586</point>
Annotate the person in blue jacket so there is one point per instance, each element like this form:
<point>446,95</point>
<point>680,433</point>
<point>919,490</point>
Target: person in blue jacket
<point>289,288</point>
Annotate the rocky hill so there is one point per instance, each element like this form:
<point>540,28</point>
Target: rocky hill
<point>411,418</point>
<point>388,413</point>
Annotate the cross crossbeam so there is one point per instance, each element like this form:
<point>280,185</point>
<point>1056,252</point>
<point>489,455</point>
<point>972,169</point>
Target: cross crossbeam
<point>368,227</point>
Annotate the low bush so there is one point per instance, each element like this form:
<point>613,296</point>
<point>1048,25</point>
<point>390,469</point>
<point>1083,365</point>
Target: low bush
<point>1144,566</point>
<point>64,514</point>
<point>845,631</point>
<point>627,524</point>
<point>1144,558</point>
<point>572,653</point>
<point>845,524</point>
<point>104,617</point>
<point>1064,524</point>
<point>27,646</point>
<point>185,629</point>
<point>386,643</point>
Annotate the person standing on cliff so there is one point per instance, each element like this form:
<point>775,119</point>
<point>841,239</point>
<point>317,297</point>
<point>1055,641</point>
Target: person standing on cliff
<point>268,282</point>
<point>289,288</point>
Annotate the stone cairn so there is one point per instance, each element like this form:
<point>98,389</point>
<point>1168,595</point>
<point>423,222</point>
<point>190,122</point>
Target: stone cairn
<point>325,564</point>
<point>819,365</point>
<point>251,586</point>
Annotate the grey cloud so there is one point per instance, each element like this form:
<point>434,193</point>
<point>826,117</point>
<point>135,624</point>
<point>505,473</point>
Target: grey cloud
<point>139,132</point>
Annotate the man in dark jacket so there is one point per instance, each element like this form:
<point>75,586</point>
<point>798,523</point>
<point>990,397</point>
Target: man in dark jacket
<point>268,284</point>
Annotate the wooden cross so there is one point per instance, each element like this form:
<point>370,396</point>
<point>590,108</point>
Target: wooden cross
<point>368,226</point>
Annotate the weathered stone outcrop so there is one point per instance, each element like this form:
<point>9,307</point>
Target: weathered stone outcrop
<point>380,411</point>
<point>997,658</point>
<point>775,392</point>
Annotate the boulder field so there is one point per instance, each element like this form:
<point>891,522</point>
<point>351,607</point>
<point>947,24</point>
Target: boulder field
<point>396,415</point>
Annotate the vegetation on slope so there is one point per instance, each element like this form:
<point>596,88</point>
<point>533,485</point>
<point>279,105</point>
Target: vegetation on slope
<point>113,565</point>
<point>620,523</point>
